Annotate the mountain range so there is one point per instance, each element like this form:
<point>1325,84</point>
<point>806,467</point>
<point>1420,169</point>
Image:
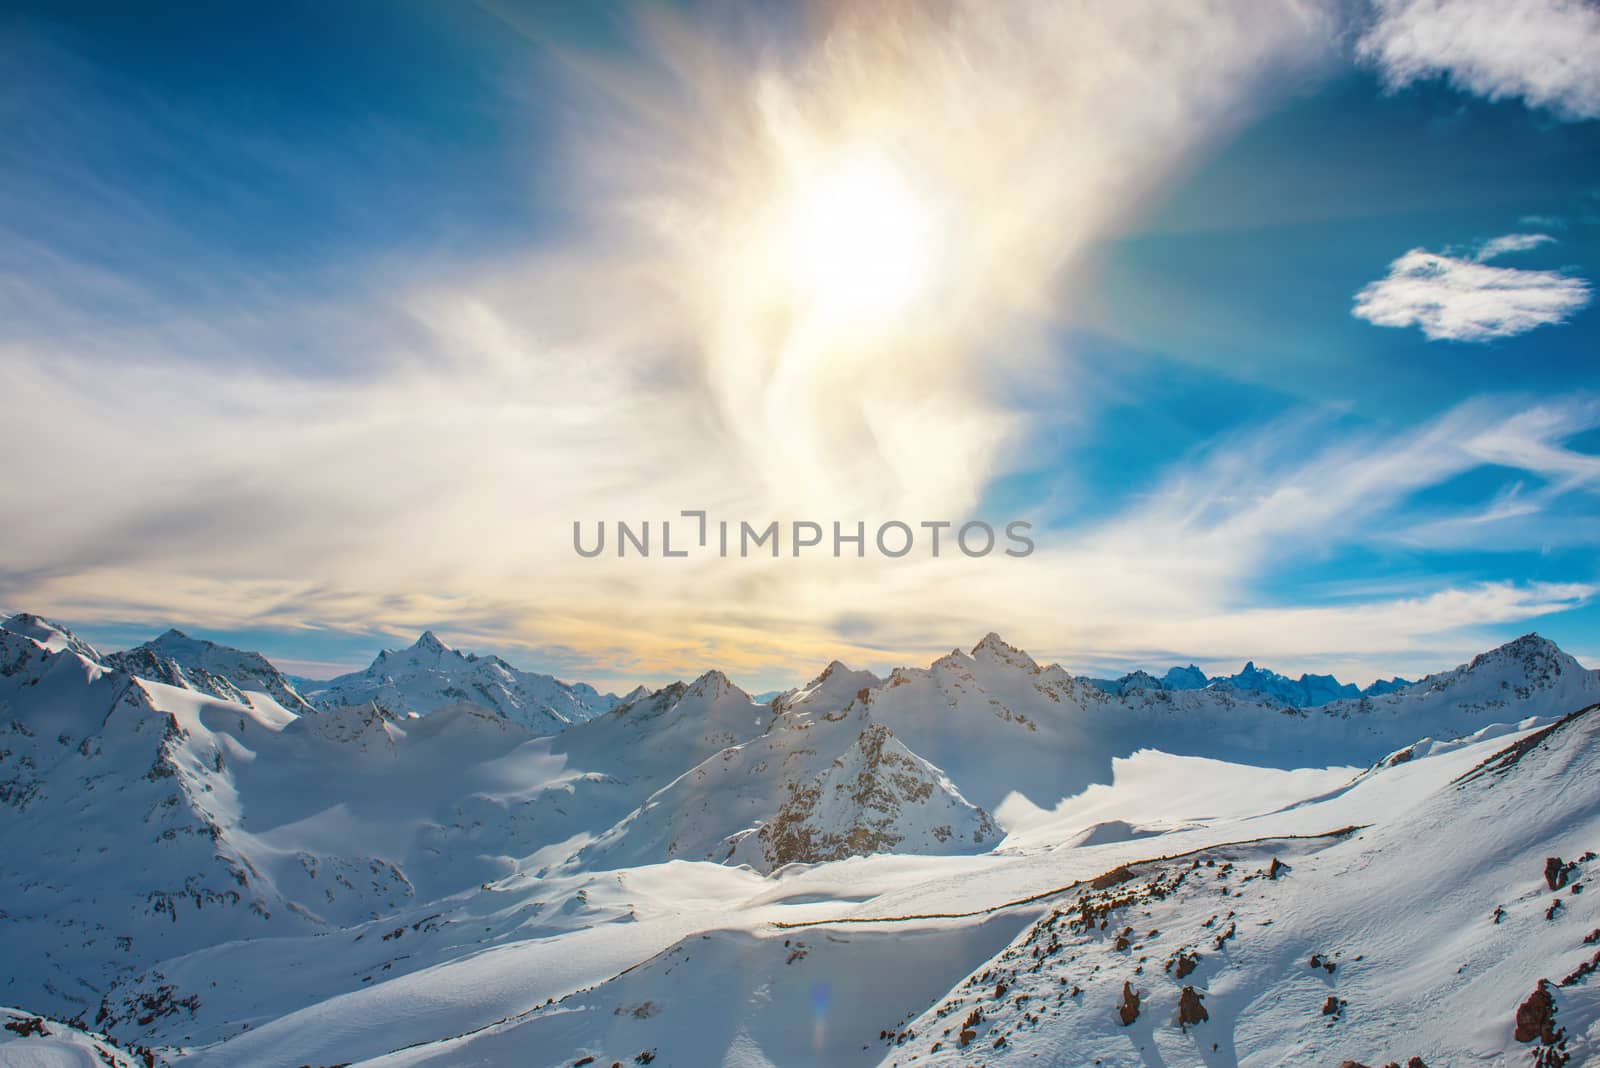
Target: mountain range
<point>450,861</point>
<point>1308,691</point>
<point>429,675</point>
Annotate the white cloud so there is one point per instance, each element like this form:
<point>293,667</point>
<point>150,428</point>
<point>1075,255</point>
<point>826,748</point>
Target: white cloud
<point>1531,441</point>
<point>1541,51</point>
<point>1456,298</point>
<point>1500,246</point>
<point>649,364</point>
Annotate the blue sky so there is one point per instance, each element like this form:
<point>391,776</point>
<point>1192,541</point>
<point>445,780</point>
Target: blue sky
<point>325,323</point>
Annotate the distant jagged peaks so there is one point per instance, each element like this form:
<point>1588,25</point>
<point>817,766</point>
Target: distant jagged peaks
<point>429,675</point>
<point>1536,661</point>
<point>1184,678</point>
<point>1308,691</point>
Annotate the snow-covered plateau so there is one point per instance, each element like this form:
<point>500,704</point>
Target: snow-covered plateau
<point>443,860</point>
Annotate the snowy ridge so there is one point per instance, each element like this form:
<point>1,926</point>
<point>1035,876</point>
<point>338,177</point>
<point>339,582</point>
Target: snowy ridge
<point>430,675</point>
<point>218,670</point>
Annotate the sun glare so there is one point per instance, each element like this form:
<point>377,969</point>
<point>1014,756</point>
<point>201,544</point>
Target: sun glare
<point>859,242</point>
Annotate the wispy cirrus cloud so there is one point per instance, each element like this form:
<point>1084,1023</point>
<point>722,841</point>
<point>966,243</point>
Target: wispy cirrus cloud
<point>648,361</point>
<point>1466,298</point>
<point>1508,243</point>
<point>1540,51</point>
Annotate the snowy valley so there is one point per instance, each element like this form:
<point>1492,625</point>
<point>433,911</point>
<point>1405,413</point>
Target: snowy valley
<point>444,860</point>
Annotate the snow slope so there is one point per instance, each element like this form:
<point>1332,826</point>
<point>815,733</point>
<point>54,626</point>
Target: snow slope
<point>112,808</point>
<point>1426,930</point>
<point>30,1041</point>
<point>878,960</point>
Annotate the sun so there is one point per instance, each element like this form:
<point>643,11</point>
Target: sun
<point>859,241</point>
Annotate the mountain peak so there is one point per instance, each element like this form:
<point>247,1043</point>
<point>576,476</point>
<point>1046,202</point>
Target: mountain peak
<point>994,647</point>
<point>172,634</point>
<point>429,642</point>
<point>1532,641</point>
<point>48,633</point>
<point>1534,653</point>
<point>835,667</point>
<point>993,643</point>
<point>633,695</point>
<point>712,684</point>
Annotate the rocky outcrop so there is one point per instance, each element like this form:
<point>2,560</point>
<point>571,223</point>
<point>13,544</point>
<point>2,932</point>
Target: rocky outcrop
<point>876,797</point>
<point>1556,872</point>
<point>1190,1009</point>
<point>1128,1011</point>
<point>1536,1016</point>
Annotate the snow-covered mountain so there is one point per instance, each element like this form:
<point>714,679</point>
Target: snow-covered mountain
<point>112,795</point>
<point>218,670</point>
<point>995,721</point>
<point>823,780</point>
<point>1308,691</point>
<point>905,858</point>
<point>926,760</point>
<point>178,660</point>
<point>1426,910</point>
<point>156,819</point>
<point>430,675</point>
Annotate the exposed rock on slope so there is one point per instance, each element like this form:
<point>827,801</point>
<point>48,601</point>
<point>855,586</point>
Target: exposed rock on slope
<point>876,797</point>
<point>1461,850</point>
<point>821,782</point>
<point>30,1040</point>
